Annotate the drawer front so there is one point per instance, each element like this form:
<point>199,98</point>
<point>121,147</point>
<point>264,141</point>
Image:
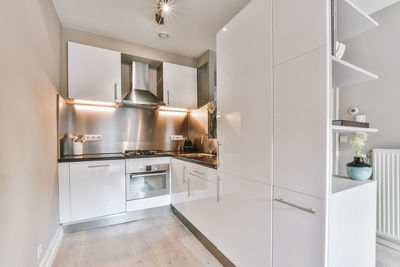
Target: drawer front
<point>97,188</point>
<point>179,186</point>
<point>206,173</point>
<point>298,230</point>
<point>202,206</point>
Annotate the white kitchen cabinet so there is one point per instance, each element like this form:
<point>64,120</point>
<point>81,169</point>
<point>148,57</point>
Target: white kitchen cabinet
<point>245,93</point>
<point>352,225</point>
<point>302,123</point>
<point>180,86</point>
<point>244,222</point>
<point>63,192</point>
<point>299,27</point>
<point>179,186</point>
<point>298,235</point>
<point>202,205</point>
<point>94,73</point>
<point>194,195</point>
<point>97,188</point>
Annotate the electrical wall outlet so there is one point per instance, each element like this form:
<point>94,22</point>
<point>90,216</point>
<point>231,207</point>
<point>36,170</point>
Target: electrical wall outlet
<point>176,137</point>
<point>39,252</point>
<point>93,137</point>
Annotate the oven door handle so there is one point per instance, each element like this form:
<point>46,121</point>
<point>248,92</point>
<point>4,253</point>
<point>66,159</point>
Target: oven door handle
<point>147,174</point>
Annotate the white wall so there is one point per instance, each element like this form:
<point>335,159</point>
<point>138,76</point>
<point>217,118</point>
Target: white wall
<point>379,52</point>
<point>30,76</point>
<point>372,6</point>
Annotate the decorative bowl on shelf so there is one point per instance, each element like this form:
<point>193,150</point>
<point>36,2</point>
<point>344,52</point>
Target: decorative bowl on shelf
<point>358,169</point>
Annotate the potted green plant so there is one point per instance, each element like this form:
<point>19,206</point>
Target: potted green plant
<point>358,169</point>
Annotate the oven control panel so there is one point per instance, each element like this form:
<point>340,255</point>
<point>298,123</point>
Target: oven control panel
<point>148,168</point>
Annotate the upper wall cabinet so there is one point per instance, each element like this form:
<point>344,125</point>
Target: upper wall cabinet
<point>245,94</point>
<point>299,27</point>
<point>94,73</point>
<point>179,86</point>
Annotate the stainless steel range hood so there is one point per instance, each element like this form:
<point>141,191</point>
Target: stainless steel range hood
<point>139,94</point>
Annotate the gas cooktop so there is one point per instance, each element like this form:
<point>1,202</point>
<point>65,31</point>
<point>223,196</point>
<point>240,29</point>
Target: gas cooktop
<point>135,153</point>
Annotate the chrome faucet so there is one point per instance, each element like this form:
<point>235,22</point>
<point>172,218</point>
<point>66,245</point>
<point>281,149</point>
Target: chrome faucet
<point>211,149</point>
<point>204,135</point>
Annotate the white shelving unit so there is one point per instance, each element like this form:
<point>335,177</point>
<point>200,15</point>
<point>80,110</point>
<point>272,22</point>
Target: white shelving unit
<point>341,183</point>
<point>351,202</point>
<point>347,129</point>
<point>351,20</point>
<point>345,74</point>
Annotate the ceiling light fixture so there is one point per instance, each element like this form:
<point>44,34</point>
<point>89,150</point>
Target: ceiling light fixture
<point>163,8</point>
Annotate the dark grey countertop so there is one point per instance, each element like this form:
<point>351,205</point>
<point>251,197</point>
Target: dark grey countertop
<point>91,157</point>
<point>116,156</point>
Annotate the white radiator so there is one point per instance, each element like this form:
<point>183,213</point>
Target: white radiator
<point>386,172</point>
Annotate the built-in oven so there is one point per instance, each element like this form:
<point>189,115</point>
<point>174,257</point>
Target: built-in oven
<point>147,181</point>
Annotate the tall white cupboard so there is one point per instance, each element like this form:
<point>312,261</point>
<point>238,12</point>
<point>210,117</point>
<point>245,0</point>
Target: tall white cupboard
<point>245,123</point>
<point>281,203</point>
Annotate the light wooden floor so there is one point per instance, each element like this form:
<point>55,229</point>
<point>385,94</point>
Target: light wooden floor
<point>387,257</point>
<point>160,241</point>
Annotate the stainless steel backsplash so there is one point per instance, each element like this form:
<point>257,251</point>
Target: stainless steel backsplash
<point>197,126</point>
<point>122,128</point>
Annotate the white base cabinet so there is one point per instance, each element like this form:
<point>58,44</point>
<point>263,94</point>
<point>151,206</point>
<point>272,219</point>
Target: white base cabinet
<point>63,192</point>
<point>352,227</point>
<point>194,195</point>
<point>96,188</point>
<point>299,235</point>
<point>244,221</point>
<point>179,186</point>
<point>202,205</point>
<point>234,214</point>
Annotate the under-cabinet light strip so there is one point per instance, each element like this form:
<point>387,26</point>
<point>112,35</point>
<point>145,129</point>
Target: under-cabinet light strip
<point>173,109</point>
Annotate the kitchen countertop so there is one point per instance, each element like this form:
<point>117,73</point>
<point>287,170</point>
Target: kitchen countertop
<point>91,157</point>
<point>116,156</point>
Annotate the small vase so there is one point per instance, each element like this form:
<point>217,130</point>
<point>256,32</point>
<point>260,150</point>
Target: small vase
<point>358,169</point>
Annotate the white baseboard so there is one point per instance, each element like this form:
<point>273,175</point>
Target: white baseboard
<point>387,243</point>
<point>51,252</point>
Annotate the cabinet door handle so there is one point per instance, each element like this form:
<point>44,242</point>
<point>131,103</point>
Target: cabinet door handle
<point>168,97</point>
<point>99,166</point>
<point>190,193</point>
<point>295,206</point>
<point>219,188</point>
<point>184,174</point>
<point>199,173</point>
<point>115,92</point>
<point>219,154</point>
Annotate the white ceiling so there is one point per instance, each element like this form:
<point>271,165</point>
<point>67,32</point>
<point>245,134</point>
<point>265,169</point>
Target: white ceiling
<point>371,6</point>
<point>192,26</point>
